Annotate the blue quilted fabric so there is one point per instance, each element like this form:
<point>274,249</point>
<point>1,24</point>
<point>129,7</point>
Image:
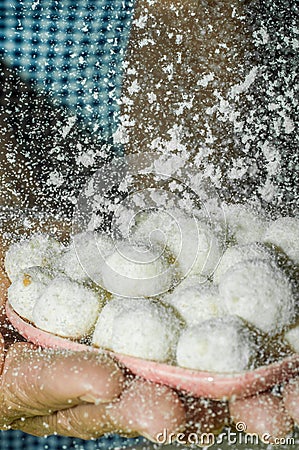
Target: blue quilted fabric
<point>16,440</point>
<point>72,50</point>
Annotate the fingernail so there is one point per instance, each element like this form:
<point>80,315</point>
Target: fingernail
<point>90,398</point>
<point>149,438</point>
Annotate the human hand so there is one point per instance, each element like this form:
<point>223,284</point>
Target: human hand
<point>81,395</point>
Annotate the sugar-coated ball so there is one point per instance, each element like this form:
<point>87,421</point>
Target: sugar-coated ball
<point>196,303</point>
<point>192,242</point>
<point>190,281</point>
<point>260,293</point>
<point>284,233</point>
<point>217,345</point>
<point>136,272</point>
<point>208,249</point>
<point>26,289</point>
<point>66,308</point>
<point>244,224</point>
<point>84,258</point>
<point>238,253</point>
<point>102,335</point>
<point>38,250</point>
<point>292,337</point>
<point>213,215</point>
<point>138,327</point>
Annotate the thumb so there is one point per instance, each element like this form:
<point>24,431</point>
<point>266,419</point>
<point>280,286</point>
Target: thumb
<point>38,382</point>
<point>82,421</point>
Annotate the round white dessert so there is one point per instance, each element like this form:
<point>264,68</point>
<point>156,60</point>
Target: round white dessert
<point>84,258</point>
<point>260,293</point>
<point>195,247</point>
<point>292,337</point>
<point>137,272</point>
<point>138,327</point>
<point>188,282</point>
<point>217,345</point>
<point>26,289</point>
<point>66,308</point>
<point>238,253</point>
<point>244,224</point>
<point>196,303</point>
<point>284,233</point>
<point>102,335</point>
<point>39,250</point>
<point>209,251</point>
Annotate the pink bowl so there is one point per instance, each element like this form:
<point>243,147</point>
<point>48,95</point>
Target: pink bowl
<point>200,384</point>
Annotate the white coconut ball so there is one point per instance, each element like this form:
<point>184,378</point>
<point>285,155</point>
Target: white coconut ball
<point>188,282</point>
<point>159,227</point>
<point>209,251</point>
<point>260,293</point>
<point>217,345</point>
<point>84,258</point>
<point>138,327</point>
<point>66,308</point>
<point>39,250</point>
<point>102,335</point>
<point>196,303</point>
<point>136,272</point>
<point>213,215</point>
<point>26,289</point>
<point>238,253</point>
<point>244,224</point>
<point>292,337</point>
<point>284,233</point>
<point>192,242</point>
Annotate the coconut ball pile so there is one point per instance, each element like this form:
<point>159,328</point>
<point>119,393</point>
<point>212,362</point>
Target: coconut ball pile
<point>176,292</point>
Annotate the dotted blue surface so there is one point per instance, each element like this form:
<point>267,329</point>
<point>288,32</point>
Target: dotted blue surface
<point>72,50</point>
<point>16,440</point>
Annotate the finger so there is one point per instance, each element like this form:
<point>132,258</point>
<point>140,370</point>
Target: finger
<point>262,414</point>
<point>205,416</point>
<point>36,382</point>
<point>148,409</point>
<point>82,421</point>
<point>291,399</point>
<point>1,353</point>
